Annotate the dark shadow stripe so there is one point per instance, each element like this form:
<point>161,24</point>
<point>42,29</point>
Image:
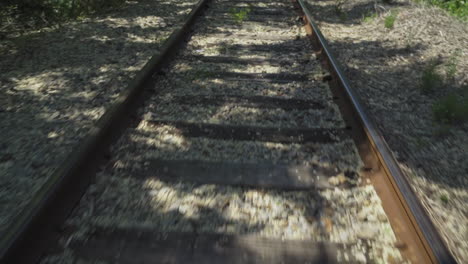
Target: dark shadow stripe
<point>256,175</point>
<point>249,101</point>
<point>149,246</point>
<point>255,133</point>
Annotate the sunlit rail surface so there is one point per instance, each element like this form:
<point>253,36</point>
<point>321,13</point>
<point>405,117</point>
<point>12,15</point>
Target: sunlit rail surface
<point>239,149</point>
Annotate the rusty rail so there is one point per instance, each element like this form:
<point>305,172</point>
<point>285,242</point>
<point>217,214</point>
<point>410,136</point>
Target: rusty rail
<point>35,226</point>
<point>419,240</point>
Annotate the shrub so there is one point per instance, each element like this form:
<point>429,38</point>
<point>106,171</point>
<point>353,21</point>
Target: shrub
<point>430,79</point>
<point>457,8</point>
<point>451,67</point>
<point>452,108</point>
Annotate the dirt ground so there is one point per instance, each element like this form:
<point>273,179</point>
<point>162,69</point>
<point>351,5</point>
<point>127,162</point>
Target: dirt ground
<point>385,66</point>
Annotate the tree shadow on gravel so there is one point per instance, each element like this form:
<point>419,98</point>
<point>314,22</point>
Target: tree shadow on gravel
<point>340,13</point>
<point>165,205</point>
<point>388,80</point>
<point>56,83</point>
<point>160,228</point>
<point>133,154</point>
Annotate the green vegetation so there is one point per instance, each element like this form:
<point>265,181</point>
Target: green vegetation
<point>452,108</point>
<point>202,74</point>
<point>390,20</point>
<point>444,198</point>
<point>339,9</point>
<point>451,67</point>
<point>239,14</point>
<point>431,79</point>
<point>458,8</point>
<point>369,17</point>
<point>421,143</point>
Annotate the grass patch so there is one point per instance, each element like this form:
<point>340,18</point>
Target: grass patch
<point>240,14</point>
<point>451,66</point>
<point>431,79</point>
<point>389,21</point>
<point>452,108</point>
<point>369,17</point>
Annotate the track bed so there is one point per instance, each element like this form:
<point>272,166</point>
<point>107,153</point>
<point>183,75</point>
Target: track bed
<point>239,155</point>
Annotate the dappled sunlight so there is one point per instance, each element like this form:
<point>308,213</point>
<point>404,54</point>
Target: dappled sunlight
<point>221,149</point>
<point>167,142</point>
<point>237,210</point>
<point>385,66</point>
<point>57,82</point>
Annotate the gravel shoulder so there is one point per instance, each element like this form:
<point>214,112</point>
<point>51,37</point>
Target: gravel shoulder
<point>385,67</point>
<point>56,82</point>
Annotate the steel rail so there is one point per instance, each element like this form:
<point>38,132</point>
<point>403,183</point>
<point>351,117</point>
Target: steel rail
<point>28,235</point>
<point>429,238</point>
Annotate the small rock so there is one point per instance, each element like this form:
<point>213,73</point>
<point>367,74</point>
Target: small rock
<point>328,224</point>
<point>338,179</point>
<point>360,257</point>
<point>367,232</point>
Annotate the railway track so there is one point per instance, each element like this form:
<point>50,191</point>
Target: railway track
<point>244,145</point>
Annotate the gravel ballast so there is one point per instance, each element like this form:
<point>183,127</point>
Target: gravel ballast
<point>122,198</point>
<point>56,82</point>
<point>385,66</point>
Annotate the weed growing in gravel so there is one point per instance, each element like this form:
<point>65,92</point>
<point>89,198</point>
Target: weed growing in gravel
<point>223,48</point>
<point>430,79</point>
<point>390,20</point>
<point>441,130</point>
<point>339,9</point>
<point>451,67</point>
<point>203,74</point>
<point>369,17</point>
<point>452,108</point>
<point>444,198</point>
<point>239,15</point>
<point>421,143</point>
